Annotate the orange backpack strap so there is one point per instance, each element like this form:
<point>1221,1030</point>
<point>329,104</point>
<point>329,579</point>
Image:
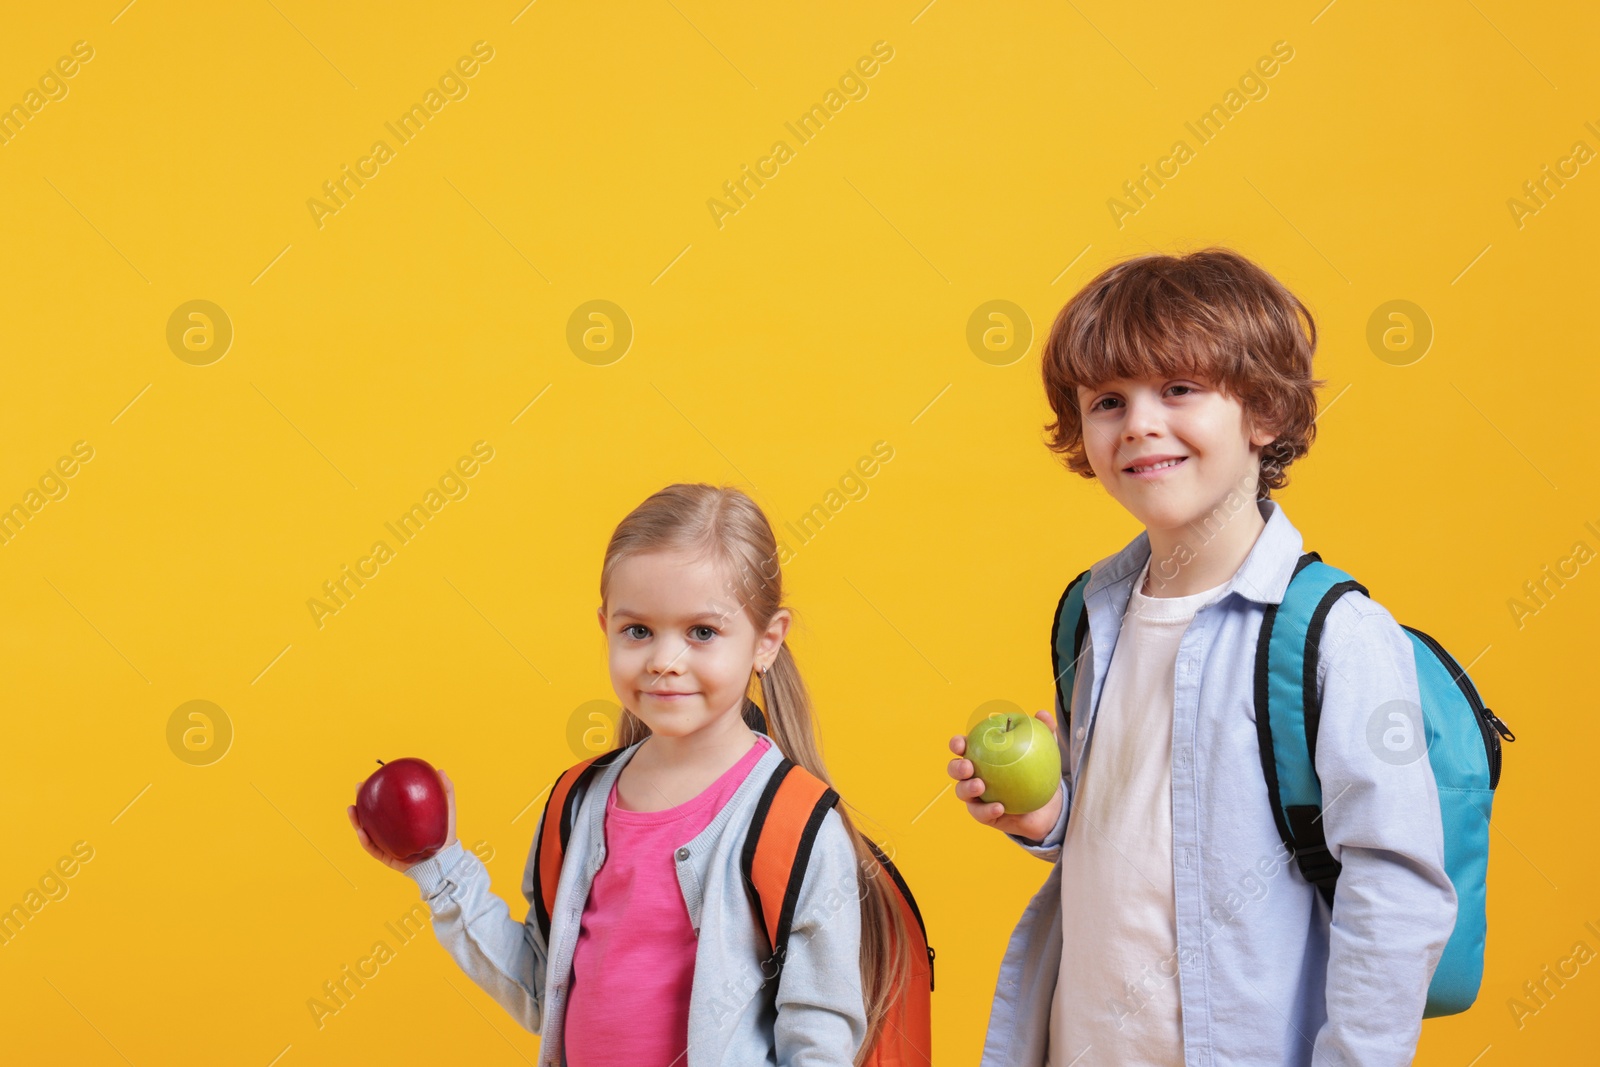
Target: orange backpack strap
<point>776,852</point>
<point>777,848</point>
<point>556,827</point>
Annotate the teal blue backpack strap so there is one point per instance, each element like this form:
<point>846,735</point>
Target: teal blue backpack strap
<point>1287,712</point>
<point>1072,621</point>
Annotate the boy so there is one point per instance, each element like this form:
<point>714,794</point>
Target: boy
<point>1175,927</point>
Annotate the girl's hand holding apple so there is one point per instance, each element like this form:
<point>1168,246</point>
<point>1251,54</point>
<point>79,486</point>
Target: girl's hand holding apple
<point>1033,825</point>
<point>398,864</point>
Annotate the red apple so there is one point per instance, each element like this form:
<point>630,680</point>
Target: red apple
<point>402,808</point>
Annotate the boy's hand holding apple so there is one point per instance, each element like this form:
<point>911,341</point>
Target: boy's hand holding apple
<point>393,862</point>
<point>1033,825</point>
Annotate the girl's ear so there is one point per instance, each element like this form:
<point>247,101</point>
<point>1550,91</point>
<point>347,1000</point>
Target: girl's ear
<point>601,614</point>
<point>777,630</point>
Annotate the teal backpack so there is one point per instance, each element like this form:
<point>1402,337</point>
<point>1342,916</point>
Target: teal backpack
<point>1462,738</point>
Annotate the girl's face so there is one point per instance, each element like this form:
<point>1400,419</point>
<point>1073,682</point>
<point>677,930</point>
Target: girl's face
<point>681,646</point>
<point>1126,422</point>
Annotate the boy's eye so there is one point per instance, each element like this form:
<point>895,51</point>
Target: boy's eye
<point>628,631</point>
<point>1098,405</point>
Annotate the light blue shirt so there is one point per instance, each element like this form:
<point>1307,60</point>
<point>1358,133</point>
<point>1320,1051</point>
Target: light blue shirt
<point>1264,976</point>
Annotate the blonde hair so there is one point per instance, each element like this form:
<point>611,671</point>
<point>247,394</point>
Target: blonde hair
<point>725,526</point>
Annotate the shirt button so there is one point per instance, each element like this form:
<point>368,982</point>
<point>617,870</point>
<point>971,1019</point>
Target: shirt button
<point>1078,733</point>
<point>683,854</point>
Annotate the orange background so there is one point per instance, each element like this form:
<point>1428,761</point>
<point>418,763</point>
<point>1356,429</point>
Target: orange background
<point>372,346</point>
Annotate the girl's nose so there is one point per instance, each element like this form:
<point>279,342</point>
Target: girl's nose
<point>665,658</point>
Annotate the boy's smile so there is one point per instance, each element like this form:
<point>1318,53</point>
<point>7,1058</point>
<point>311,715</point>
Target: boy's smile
<point>1152,467</point>
<point>1172,451</point>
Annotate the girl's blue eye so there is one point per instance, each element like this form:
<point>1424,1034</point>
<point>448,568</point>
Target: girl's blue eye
<point>628,631</point>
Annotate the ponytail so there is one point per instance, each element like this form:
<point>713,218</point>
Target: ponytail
<point>885,958</point>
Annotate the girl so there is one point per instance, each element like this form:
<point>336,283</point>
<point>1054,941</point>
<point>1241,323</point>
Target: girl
<point>655,956</point>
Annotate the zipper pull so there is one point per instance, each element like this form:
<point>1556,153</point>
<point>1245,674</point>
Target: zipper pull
<point>1499,727</point>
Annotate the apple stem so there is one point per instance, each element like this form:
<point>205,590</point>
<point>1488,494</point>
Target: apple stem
<point>1011,724</point>
<point>380,763</point>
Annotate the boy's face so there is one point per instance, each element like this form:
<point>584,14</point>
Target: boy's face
<point>1131,422</point>
<point>681,648</point>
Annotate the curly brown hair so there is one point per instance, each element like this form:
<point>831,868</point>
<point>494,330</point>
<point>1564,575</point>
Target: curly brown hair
<point>1211,314</point>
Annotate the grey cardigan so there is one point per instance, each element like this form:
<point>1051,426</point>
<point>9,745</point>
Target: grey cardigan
<point>812,1016</point>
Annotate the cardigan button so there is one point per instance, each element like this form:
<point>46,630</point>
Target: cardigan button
<point>683,854</point>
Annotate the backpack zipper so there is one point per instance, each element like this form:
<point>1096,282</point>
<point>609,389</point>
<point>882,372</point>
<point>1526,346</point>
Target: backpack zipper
<point>1489,724</point>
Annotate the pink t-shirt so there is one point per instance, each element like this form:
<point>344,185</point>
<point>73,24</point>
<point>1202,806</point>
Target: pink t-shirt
<point>634,963</point>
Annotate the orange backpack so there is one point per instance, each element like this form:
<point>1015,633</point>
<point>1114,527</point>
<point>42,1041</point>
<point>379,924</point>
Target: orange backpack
<point>776,851</point>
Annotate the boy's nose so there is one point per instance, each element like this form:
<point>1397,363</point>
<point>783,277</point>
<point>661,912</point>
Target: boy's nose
<point>1144,417</point>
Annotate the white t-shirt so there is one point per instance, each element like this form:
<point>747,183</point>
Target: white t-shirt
<point>1116,1000</point>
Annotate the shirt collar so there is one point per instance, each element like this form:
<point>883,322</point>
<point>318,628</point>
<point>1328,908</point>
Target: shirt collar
<point>1263,576</point>
<point>613,770</point>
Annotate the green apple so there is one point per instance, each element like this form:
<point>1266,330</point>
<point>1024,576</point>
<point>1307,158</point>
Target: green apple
<point>1017,758</point>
